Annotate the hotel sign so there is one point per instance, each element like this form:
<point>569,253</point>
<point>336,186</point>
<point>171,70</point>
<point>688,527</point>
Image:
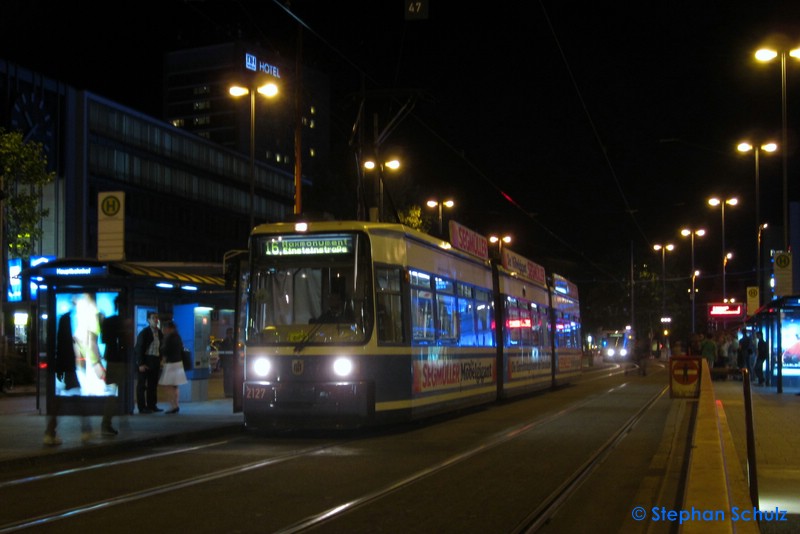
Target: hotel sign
<point>251,62</point>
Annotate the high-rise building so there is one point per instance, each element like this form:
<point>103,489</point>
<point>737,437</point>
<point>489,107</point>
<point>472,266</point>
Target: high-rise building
<point>294,124</point>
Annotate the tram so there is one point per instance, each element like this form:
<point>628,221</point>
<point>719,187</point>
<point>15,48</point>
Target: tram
<point>351,324</point>
<point>617,345</point>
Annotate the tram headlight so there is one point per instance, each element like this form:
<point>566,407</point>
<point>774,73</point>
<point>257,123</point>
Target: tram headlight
<point>623,352</point>
<point>610,353</point>
<point>342,367</point>
<point>261,367</point>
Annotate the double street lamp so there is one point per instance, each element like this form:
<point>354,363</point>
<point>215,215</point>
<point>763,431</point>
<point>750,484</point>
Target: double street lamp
<point>500,241</point>
<point>690,232</point>
<point>714,202</point>
<point>268,90</point>
<point>440,204</point>
<point>663,249</point>
<point>371,165</point>
<point>766,54</point>
<point>757,149</point>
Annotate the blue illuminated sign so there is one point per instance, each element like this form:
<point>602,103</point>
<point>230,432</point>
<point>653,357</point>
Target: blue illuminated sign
<point>251,62</point>
<point>35,262</point>
<point>14,280</point>
<point>76,271</point>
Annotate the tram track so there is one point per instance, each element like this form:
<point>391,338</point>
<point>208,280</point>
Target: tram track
<point>345,496</point>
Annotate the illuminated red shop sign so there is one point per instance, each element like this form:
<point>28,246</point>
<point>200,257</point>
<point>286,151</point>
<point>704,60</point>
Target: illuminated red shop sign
<point>725,310</point>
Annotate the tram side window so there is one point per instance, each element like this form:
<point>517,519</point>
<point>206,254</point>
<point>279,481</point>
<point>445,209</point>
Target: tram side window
<point>512,325</point>
<point>567,334</point>
<point>467,331</point>
<point>525,334</point>
<point>538,333</point>
<point>422,325</point>
<point>446,310</point>
<point>389,305</point>
<point>484,313</point>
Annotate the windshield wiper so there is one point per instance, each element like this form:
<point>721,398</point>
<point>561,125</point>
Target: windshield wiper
<point>303,342</point>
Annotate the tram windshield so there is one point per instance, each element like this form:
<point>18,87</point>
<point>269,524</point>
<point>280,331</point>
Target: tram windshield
<point>310,289</point>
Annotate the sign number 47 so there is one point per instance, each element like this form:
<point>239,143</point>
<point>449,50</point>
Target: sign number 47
<point>416,9</point>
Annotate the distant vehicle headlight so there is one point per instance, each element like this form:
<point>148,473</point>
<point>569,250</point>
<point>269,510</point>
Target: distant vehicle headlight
<point>623,352</point>
<point>343,367</point>
<point>261,367</point>
<point>610,352</point>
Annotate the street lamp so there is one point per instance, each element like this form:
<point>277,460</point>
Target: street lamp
<point>718,202</point>
<point>695,274</point>
<point>439,204</point>
<point>268,90</point>
<point>759,274</point>
<point>500,240</point>
<point>691,233</point>
<point>765,54</point>
<point>664,249</point>
<point>766,147</point>
<point>725,259</point>
<point>370,165</point>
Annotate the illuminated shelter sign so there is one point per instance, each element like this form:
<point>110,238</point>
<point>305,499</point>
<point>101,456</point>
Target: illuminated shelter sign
<point>308,245</point>
<point>77,271</point>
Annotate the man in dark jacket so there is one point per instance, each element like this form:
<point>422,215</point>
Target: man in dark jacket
<point>148,360</point>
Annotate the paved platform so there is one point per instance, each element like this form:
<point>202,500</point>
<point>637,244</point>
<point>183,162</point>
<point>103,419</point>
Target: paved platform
<point>23,423</point>
<point>776,423</point>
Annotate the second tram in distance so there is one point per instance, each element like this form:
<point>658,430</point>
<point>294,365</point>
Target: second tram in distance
<point>351,324</point>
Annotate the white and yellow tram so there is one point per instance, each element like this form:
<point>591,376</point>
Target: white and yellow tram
<point>355,323</point>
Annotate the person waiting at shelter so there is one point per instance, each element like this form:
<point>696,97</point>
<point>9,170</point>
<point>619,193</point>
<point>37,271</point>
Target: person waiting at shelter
<point>762,355</point>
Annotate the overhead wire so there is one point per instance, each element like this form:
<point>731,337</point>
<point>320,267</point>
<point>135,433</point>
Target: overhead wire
<point>506,196</point>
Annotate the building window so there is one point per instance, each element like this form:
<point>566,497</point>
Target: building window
<point>202,90</point>
<point>201,104</point>
<point>178,123</point>
<point>311,125</point>
<point>312,152</point>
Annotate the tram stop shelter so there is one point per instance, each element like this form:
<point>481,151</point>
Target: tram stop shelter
<point>779,323</point>
<point>77,299</point>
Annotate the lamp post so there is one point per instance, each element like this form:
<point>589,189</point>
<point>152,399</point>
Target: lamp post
<point>761,228</point>
<point>719,202</point>
<point>663,249</point>
<point>695,274</point>
<point>725,259</point>
<point>440,203</point>
<point>371,165</point>
<point>766,147</point>
<point>691,232</point>
<point>268,90</point>
<point>765,54</point>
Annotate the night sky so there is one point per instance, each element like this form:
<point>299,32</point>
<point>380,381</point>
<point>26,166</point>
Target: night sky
<point>583,130</point>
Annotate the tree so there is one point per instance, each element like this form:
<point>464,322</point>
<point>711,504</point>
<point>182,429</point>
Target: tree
<point>23,173</point>
<point>414,218</point>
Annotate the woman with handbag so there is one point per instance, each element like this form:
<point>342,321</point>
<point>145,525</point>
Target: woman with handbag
<point>172,374</point>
